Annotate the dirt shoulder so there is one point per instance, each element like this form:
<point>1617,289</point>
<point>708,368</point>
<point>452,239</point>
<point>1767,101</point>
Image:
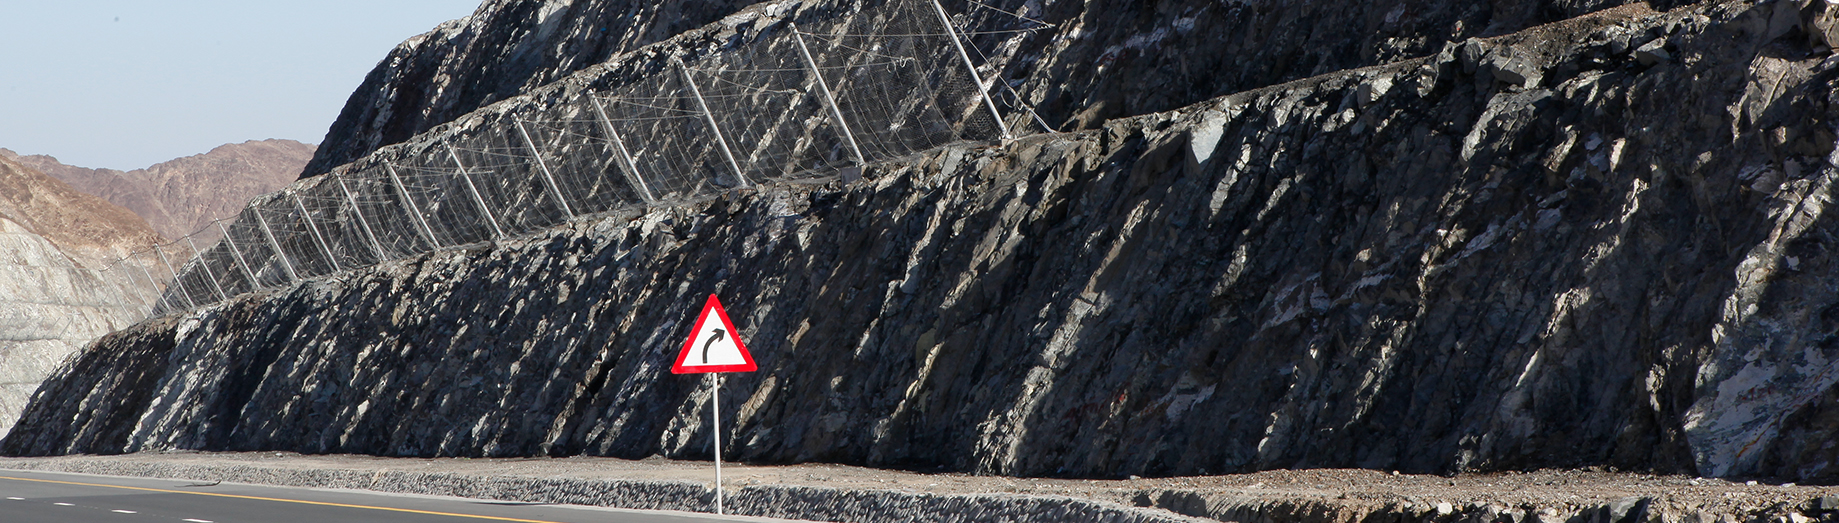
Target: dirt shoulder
<point>1305,495</point>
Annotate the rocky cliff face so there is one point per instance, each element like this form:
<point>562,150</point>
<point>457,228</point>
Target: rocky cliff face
<point>183,195</point>
<point>1111,58</point>
<point>1595,242</point>
<point>506,48</point>
<point>1078,62</point>
<point>52,302</point>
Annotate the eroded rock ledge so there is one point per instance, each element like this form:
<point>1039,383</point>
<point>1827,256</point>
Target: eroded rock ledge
<point>1596,242</point>
<point>1101,59</point>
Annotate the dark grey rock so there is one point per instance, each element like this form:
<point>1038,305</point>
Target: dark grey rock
<point>1417,296</point>
<point>1115,57</point>
<point>1653,53</point>
<point>1470,54</point>
<point>504,49</point>
<point>1516,71</point>
<point>1628,510</point>
<point>1425,81</point>
<point>1371,91</point>
<point>1820,20</point>
<point>1785,16</point>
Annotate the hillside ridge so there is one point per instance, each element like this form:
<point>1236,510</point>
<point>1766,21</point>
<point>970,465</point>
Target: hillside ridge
<point>183,195</point>
<point>1532,250</point>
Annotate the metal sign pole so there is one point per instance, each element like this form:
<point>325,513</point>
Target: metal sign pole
<point>276,244</point>
<point>414,210</point>
<point>240,262</point>
<point>207,270</point>
<point>175,278</point>
<point>713,330</point>
<point>314,228</point>
<point>716,402</point>
<point>547,178</point>
<point>489,219</point>
<point>713,127</point>
<point>829,99</point>
<point>375,245</point>
<point>629,167</point>
<point>982,92</point>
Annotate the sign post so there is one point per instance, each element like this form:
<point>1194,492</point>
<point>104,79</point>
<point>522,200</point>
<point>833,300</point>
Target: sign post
<point>714,347</point>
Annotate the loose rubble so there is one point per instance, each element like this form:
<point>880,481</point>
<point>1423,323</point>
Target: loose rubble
<point>843,493</point>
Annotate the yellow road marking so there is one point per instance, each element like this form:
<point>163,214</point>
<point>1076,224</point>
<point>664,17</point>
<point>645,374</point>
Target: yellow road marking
<point>280,500</point>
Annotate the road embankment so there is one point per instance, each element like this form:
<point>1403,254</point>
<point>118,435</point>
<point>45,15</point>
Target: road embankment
<point>843,493</point>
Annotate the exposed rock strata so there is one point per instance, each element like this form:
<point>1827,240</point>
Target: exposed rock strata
<point>1597,242</point>
<point>52,301</point>
<point>504,49</point>
<point>1101,59</point>
<point>50,308</point>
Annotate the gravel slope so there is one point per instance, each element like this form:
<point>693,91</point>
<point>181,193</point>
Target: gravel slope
<point>842,493</point>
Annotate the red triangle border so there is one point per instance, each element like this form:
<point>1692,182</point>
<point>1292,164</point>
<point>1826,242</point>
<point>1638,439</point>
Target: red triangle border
<point>714,305</point>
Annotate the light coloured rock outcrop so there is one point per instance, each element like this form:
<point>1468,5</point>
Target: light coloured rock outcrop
<point>52,300</point>
<point>49,309</point>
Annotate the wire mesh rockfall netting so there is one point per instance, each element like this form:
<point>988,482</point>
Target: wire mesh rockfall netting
<point>796,102</point>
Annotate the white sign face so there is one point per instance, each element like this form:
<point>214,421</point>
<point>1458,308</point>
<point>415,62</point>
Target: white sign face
<point>714,345</point>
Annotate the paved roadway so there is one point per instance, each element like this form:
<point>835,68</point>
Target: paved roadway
<point>44,497</point>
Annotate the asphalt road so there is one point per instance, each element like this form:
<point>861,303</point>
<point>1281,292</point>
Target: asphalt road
<point>43,497</point>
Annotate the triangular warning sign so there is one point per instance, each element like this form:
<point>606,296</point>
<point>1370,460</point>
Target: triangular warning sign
<point>714,346</point>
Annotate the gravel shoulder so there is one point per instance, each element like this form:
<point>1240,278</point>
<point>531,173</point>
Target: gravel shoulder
<point>843,493</point>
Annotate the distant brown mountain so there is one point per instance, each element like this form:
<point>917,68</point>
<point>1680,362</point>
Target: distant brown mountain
<point>81,225</point>
<point>186,194</point>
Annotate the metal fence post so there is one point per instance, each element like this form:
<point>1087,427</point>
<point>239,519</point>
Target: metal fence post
<point>176,280</point>
<point>713,127</point>
<point>414,210</point>
<point>547,178</point>
<point>829,99</point>
<point>122,264</point>
<point>276,245</point>
<point>202,264</point>
<point>660,160</point>
<point>982,92</point>
<point>497,232</point>
<point>314,228</point>
<point>157,291</point>
<point>240,262</point>
<point>375,245</point>
<point>629,167</point>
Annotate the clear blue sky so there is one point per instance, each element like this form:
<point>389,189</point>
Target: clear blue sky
<point>125,84</point>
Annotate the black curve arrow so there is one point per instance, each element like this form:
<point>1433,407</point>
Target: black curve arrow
<point>712,339</point>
